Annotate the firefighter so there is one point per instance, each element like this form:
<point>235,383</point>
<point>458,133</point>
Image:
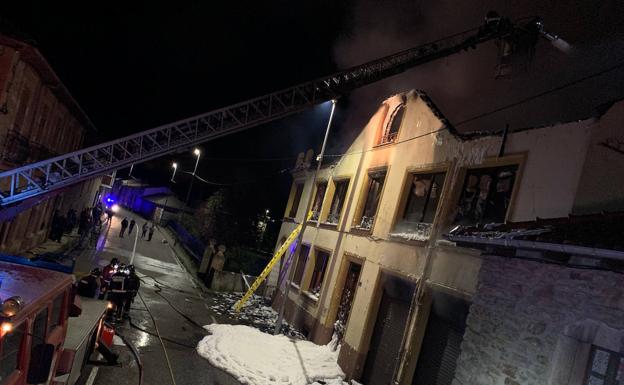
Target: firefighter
<point>90,285</point>
<point>133,284</point>
<point>117,291</point>
<point>107,274</point>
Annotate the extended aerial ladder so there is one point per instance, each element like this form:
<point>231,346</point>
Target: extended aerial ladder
<point>22,184</point>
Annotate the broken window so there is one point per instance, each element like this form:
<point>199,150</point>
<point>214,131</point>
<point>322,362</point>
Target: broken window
<point>335,209</point>
<point>391,130</point>
<point>605,367</point>
<point>302,259</point>
<point>486,195</point>
<point>321,187</point>
<point>320,265</point>
<point>420,206</point>
<point>292,213</point>
<point>373,195</point>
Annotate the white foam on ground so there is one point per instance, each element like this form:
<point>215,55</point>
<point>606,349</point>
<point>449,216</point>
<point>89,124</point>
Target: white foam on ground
<point>257,358</point>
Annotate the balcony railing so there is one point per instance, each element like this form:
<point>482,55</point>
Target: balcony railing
<point>366,223</point>
<point>387,138</point>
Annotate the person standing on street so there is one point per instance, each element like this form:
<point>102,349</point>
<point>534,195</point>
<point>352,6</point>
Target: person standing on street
<point>124,226</point>
<point>151,232</point>
<point>133,284</point>
<point>132,224</point>
<point>144,230</point>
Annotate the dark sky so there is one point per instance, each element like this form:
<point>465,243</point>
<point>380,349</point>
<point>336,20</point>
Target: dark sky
<point>136,66</point>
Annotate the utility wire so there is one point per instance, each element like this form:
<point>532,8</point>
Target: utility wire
<point>235,183</point>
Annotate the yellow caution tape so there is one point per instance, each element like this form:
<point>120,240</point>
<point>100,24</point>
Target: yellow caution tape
<point>265,273</point>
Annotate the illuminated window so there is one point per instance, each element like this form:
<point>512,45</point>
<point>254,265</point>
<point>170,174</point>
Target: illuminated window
<point>302,259</point>
<point>605,368</point>
<point>373,195</point>
<point>340,193</point>
<point>320,265</point>
<point>419,206</point>
<point>391,130</point>
<point>486,195</point>
<point>321,188</point>
<point>10,347</point>
<point>292,213</point>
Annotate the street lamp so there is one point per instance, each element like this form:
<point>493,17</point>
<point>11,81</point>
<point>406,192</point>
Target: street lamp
<point>188,194</point>
<point>175,168</point>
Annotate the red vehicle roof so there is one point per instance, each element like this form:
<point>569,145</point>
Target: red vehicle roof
<point>35,285</point>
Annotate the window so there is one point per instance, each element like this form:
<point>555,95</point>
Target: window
<point>292,213</point>
<point>39,329</point>
<point>57,310</point>
<point>486,195</point>
<point>302,259</point>
<point>373,194</point>
<point>320,265</point>
<point>391,130</point>
<point>321,187</point>
<point>605,368</point>
<point>335,209</point>
<point>10,351</point>
<point>421,203</point>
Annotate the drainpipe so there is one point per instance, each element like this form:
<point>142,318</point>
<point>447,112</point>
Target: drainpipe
<point>280,317</point>
<point>416,307</point>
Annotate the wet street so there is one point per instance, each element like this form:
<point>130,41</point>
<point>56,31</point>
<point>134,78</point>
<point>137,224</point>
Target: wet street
<point>178,304</point>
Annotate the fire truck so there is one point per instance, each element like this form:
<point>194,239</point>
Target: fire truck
<point>47,334</point>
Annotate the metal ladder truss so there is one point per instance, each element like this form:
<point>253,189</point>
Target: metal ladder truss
<point>39,178</point>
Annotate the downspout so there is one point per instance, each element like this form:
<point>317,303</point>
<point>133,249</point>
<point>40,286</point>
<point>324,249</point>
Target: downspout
<point>417,305</point>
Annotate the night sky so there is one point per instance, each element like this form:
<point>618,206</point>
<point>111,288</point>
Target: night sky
<point>133,67</point>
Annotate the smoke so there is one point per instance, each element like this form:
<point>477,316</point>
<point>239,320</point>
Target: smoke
<point>464,85</point>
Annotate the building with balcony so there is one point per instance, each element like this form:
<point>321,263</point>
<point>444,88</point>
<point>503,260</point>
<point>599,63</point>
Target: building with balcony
<point>39,119</point>
<point>376,270</point>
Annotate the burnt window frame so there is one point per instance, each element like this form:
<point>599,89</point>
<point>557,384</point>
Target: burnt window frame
<point>387,134</point>
<point>316,214</point>
<point>317,276</point>
<point>371,175</point>
<point>330,210</point>
<point>300,266</point>
<point>296,201</point>
<point>460,219</point>
<point>406,197</point>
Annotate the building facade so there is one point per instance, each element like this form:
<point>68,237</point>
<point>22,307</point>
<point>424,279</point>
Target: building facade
<point>38,119</point>
<point>374,266</point>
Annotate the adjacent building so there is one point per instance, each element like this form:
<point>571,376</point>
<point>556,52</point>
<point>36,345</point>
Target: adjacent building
<point>380,269</point>
<point>38,119</point>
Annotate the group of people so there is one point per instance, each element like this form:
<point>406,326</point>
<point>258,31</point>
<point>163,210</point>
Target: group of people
<point>147,230</point>
<point>212,260</point>
<point>116,282</point>
<point>62,224</point>
<point>89,222</point>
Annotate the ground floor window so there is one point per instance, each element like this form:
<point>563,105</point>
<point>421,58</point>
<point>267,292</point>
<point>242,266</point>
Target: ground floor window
<point>605,367</point>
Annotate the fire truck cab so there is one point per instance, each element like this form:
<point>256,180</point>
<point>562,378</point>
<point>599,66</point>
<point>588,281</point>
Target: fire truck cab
<point>39,342</point>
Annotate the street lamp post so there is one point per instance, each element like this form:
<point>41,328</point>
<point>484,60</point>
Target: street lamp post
<point>188,194</point>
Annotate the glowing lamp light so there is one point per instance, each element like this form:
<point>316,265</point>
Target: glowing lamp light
<point>115,208</point>
<point>109,305</point>
<point>6,327</point>
<point>12,306</point>
<point>174,165</point>
<point>197,152</point>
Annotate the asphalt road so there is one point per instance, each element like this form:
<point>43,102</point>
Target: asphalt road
<point>166,285</point>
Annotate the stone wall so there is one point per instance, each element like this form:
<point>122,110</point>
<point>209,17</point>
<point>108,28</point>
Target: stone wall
<point>525,314</point>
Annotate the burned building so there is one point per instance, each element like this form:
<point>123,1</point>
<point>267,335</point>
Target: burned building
<point>380,268</point>
<point>39,119</point>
